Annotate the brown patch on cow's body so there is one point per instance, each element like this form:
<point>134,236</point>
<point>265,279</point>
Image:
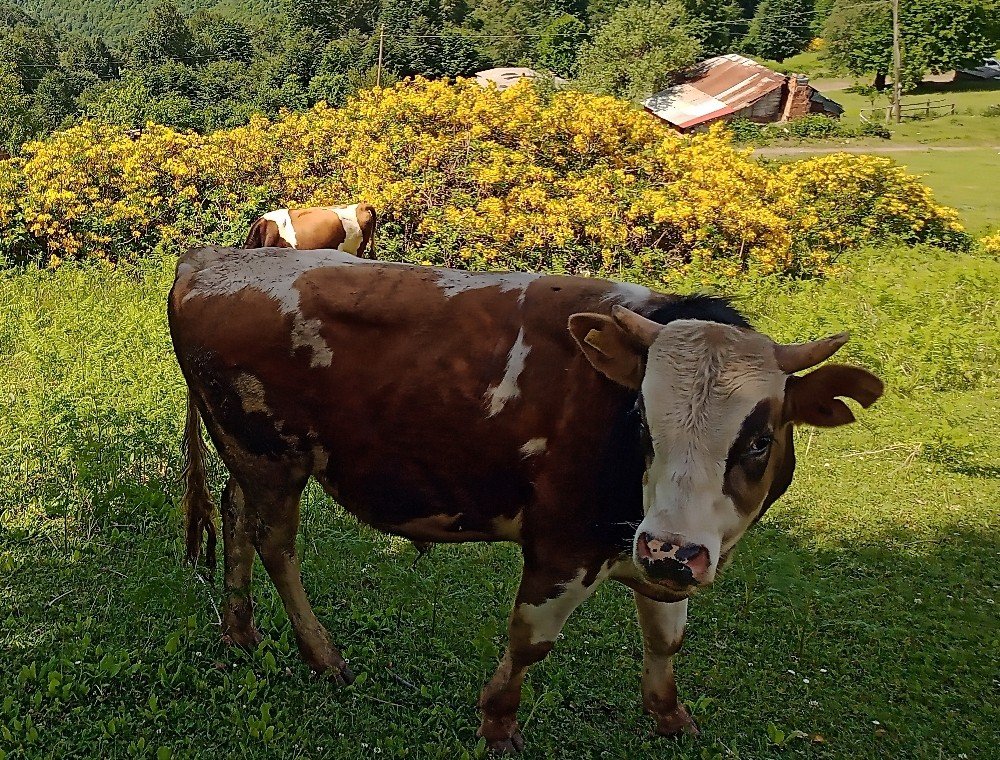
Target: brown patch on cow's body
<point>356,408</point>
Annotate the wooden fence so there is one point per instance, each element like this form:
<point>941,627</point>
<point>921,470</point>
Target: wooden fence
<point>914,110</point>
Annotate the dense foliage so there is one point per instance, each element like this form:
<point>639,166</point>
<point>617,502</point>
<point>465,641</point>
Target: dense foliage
<point>937,36</point>
<point>466,176</point>
<point>780,28</point>
<point>216,65</point>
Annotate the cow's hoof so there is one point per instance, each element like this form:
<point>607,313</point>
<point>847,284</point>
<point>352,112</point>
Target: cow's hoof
<point>333,668</point>
<point>343,675</point>
<point>676,723</point>
<point>510,746</point>
<point>244,638</point>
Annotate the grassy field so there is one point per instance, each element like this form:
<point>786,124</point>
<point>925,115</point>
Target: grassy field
<point>959,156</point>
<point>966,179</point>
<point>858,620</point>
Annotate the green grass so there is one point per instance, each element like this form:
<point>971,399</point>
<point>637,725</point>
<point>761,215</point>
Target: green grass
<point>967,180</point>
<point>877,578</point>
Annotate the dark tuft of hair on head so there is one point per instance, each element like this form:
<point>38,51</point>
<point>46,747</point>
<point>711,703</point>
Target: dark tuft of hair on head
<point>697,306</point>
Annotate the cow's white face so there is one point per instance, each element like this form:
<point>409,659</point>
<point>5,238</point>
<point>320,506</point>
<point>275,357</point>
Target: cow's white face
<point>719,404</point>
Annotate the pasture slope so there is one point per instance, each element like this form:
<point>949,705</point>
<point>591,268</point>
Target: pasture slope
<point>858,620</point>
<point>958,155</point>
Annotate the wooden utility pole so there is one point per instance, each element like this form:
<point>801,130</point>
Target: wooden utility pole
<point>897,63</point>
<point>381,40</point>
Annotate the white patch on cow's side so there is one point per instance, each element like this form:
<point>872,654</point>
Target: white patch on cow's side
<point>251,393</point>
<point>547,619</point>
<point>508,389</point>
<point>283,220</point>
<point>306,334</point>
<point>352,230</point>
<point>275,274</point>
<point>452,282</point>
<point>533,447</point>
<point>628,295</point>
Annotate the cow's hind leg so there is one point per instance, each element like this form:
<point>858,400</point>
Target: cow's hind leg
<point>277,515</point>
<point>662,626</point>
<point>237,610</point>
<point>544,603</point>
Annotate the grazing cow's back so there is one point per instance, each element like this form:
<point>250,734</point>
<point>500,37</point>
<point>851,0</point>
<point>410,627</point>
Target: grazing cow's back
<point>609,430</point>
<point>346,228</point>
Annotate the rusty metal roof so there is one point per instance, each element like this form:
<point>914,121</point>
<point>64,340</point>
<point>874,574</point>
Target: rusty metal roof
<point>715,88</point>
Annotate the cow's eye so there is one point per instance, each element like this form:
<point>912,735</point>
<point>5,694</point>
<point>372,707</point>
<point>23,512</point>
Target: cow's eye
<point>759,446</point>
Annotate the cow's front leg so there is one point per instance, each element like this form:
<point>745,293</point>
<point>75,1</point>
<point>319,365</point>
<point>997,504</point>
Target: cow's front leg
<point>662,626</point>
<point>543,605</point>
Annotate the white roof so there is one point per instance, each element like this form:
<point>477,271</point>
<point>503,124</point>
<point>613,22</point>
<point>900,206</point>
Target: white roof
<point>504,76</point>
<point>682,103</point>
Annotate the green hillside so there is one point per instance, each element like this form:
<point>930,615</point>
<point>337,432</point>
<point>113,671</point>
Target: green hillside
<point>116,20</point>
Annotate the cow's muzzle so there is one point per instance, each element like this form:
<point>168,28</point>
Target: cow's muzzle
<point>670,560</point>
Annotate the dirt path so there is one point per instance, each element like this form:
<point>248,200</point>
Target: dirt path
<point>796,150</point>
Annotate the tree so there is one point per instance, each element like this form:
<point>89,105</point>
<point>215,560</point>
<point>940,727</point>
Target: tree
<point>57,93</point>
<point>89,54</point>
<point>559,44</point>
<point>716,23</point>
<point>17,123</point>
<point>639,50</point>
<point>937,35</point>
<point>31,50</point>
<point>504,29</point>
<point>941,35</point>
<point>342,68</point>
<point>780,29</point>
<point>334,20</point>
<point>217,38</point>
<point>859,38</point>
<point>122,101</point>
<point>165,35</point>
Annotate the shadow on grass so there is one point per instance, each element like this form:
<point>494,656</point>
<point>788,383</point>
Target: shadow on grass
<point>956,85</point>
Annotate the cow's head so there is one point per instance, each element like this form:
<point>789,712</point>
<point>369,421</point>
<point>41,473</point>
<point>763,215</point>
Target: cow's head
<point>719,404</point>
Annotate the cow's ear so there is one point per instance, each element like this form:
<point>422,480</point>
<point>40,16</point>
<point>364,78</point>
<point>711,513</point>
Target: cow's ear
<point>814,399</point>
<point>612,345</point>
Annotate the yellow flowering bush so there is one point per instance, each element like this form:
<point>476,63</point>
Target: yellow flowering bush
<point>466,176</point>
<point>990,244</point>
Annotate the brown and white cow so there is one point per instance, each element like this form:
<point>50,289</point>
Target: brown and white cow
<point>344,228</point>
<point>611,431</point>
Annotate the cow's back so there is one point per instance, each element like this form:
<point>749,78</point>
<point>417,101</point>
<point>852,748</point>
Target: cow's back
<point>435,403</point>
<point>318,228</point>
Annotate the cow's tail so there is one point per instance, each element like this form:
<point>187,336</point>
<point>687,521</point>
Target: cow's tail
<point>371,240</point>
<point>197,501</point>
<point>255,238</point>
